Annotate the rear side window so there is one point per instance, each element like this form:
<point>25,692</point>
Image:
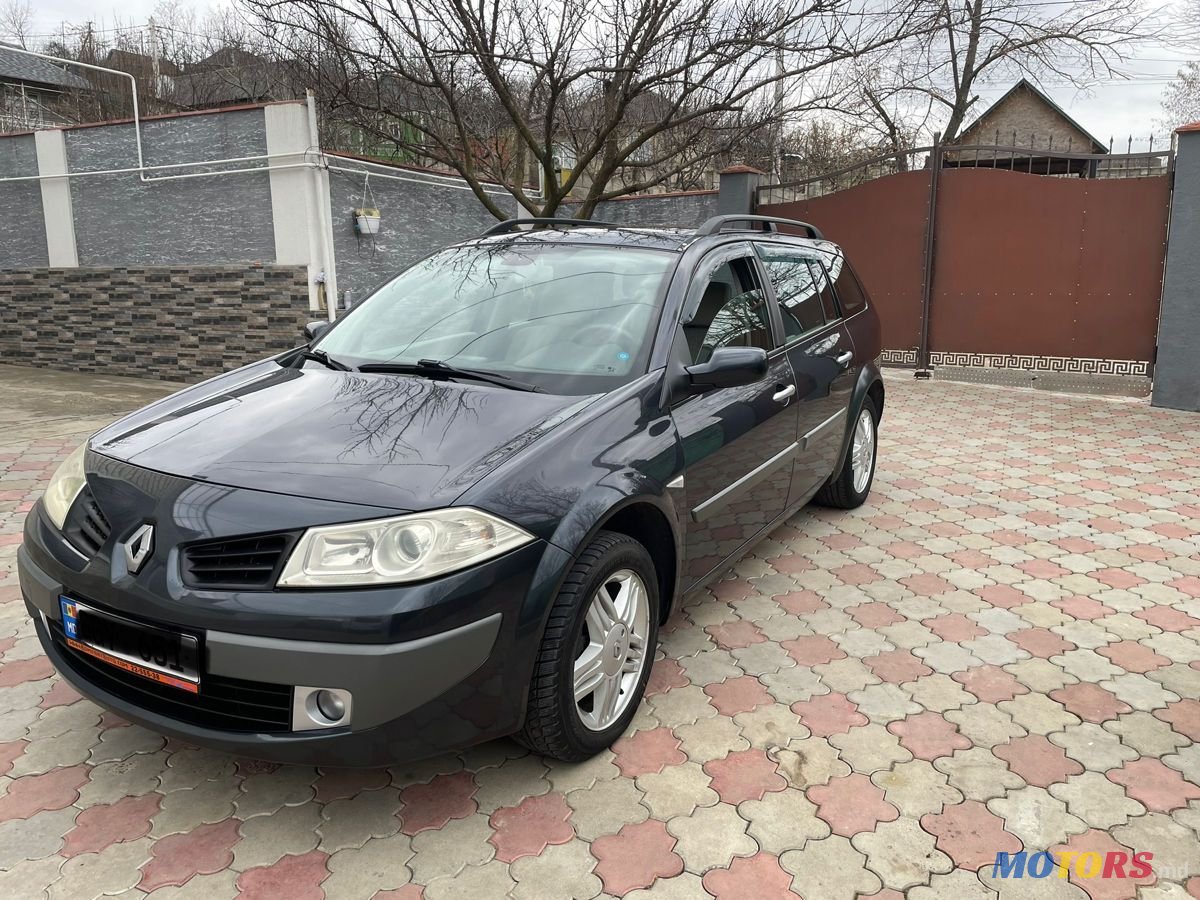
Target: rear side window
<point>797,282</point>
<point>850,290</point>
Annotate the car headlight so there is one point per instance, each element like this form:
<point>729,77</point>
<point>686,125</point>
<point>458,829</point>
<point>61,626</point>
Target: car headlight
<point>403,548</point>
<point>65,485</point>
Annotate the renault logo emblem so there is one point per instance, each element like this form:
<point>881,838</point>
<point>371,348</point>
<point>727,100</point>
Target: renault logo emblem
<point>138,547</point>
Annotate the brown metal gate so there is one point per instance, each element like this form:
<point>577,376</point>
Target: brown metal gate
<point>1026,271</point>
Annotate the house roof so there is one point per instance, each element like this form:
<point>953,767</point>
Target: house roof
<point>134,62</point>
<point>227,57</point>
<point>1098,146</point>
<point>17,68</point>
<point>228,76</point>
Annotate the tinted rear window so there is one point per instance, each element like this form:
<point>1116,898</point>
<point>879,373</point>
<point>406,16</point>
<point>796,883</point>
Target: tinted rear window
<point>850,291</point>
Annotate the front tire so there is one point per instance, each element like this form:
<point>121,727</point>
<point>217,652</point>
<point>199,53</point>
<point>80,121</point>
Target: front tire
<point>596,653</point>
<point>849,486</point>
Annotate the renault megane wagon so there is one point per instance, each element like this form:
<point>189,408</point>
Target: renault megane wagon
<point>463,510</point>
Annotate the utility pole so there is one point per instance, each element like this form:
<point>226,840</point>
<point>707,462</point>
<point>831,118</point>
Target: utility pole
<point>155,63</point>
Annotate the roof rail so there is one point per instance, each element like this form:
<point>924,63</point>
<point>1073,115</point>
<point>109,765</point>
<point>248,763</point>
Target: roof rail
<point>769,223</point>
<point>510,225</point>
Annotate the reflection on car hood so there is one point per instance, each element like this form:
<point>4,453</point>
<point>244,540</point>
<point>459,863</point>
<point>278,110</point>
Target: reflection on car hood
<point>387,440</point>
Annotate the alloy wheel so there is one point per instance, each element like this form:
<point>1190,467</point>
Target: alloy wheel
<point>862,451</point>
<point>612,649</point>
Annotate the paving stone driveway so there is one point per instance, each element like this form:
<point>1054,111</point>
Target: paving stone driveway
<point>1000,651</point>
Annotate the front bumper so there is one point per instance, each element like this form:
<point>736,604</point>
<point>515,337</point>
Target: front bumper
<point>461,678</point>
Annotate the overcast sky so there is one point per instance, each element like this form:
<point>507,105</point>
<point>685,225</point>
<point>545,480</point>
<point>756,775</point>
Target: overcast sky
<point>1118,109</point>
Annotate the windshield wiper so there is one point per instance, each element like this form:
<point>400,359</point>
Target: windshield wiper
<point>324,359</point>
<point>433,368</point>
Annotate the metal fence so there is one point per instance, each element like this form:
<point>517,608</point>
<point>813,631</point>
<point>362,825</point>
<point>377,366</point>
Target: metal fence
<point>981,256</point>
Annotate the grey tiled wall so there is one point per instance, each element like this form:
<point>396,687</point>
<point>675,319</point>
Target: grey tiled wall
<point>22,226</point>
<point>119,220</point>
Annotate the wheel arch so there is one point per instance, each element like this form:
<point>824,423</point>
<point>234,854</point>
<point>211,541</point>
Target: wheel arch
<point>646,524</point>
<point>869,384</point>
<point>650,519</point>
<point>876,393</point>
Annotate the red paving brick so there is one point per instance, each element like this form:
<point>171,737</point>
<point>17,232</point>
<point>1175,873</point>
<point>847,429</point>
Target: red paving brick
<point>1036,760</point>
<point>527,828</point>
<point>758,876</point>
<point>647,751</point>
<point>635,857</point>
<point>970,835</point>
<point>744,775</point>
<point>852,804</point>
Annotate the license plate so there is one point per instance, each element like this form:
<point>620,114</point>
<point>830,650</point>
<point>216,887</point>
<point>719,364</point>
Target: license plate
<point>156,654</point>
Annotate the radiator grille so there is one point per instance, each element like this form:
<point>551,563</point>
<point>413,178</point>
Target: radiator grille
<point>245,563</point>
<point>86,527</point>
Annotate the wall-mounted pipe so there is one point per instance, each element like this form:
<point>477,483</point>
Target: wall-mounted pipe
<point>137,123</point>
<point>416,179</point>
<point>320,160</point>
<point>324,212</point>
<point>133,170</point>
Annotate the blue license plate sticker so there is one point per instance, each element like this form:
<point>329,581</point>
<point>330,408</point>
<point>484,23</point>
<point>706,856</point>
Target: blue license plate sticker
<point>70,616</point>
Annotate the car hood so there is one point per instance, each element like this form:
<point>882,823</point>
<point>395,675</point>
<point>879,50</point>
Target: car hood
<point>392,441</point>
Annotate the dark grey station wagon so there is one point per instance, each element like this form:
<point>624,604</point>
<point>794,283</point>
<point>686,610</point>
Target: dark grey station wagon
<point>463,510</point>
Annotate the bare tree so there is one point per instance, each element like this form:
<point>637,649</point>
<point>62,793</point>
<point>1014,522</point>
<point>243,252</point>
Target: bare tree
<point>970,44</point>
<point>591,99</point>
<point>1181,97</point>
<point>825,145</point>
<point>878,102</point>
<point>16,22</point>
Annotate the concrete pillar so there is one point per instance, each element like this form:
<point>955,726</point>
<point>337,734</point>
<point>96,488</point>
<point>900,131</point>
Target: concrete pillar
<point>51,147</point>
<point>736,193</point>
<point>287,139</point>
<point>1176,374</point>
<point>294,210</point>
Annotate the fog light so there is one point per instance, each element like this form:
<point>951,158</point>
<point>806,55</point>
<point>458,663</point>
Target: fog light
<point>330,705</point>
<point>315,707</point>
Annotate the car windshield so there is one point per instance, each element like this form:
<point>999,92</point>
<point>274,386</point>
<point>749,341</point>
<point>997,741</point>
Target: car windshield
<point>569,318</point>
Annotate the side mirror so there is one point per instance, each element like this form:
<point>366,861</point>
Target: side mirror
<point>729,367</point>
<point>314,330</point>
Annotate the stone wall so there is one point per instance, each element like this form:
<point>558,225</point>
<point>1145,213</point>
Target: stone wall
<point>418,217</point>
<point>203,267</point>
<point>423,215</point>
<point>121,220</point>
<point>22,227</point>
<point>685,210</point>
<point>179,323</point>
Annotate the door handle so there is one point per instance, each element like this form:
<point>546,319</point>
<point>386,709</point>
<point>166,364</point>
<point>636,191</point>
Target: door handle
<point>844,359</point>
<point>783,393</point>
